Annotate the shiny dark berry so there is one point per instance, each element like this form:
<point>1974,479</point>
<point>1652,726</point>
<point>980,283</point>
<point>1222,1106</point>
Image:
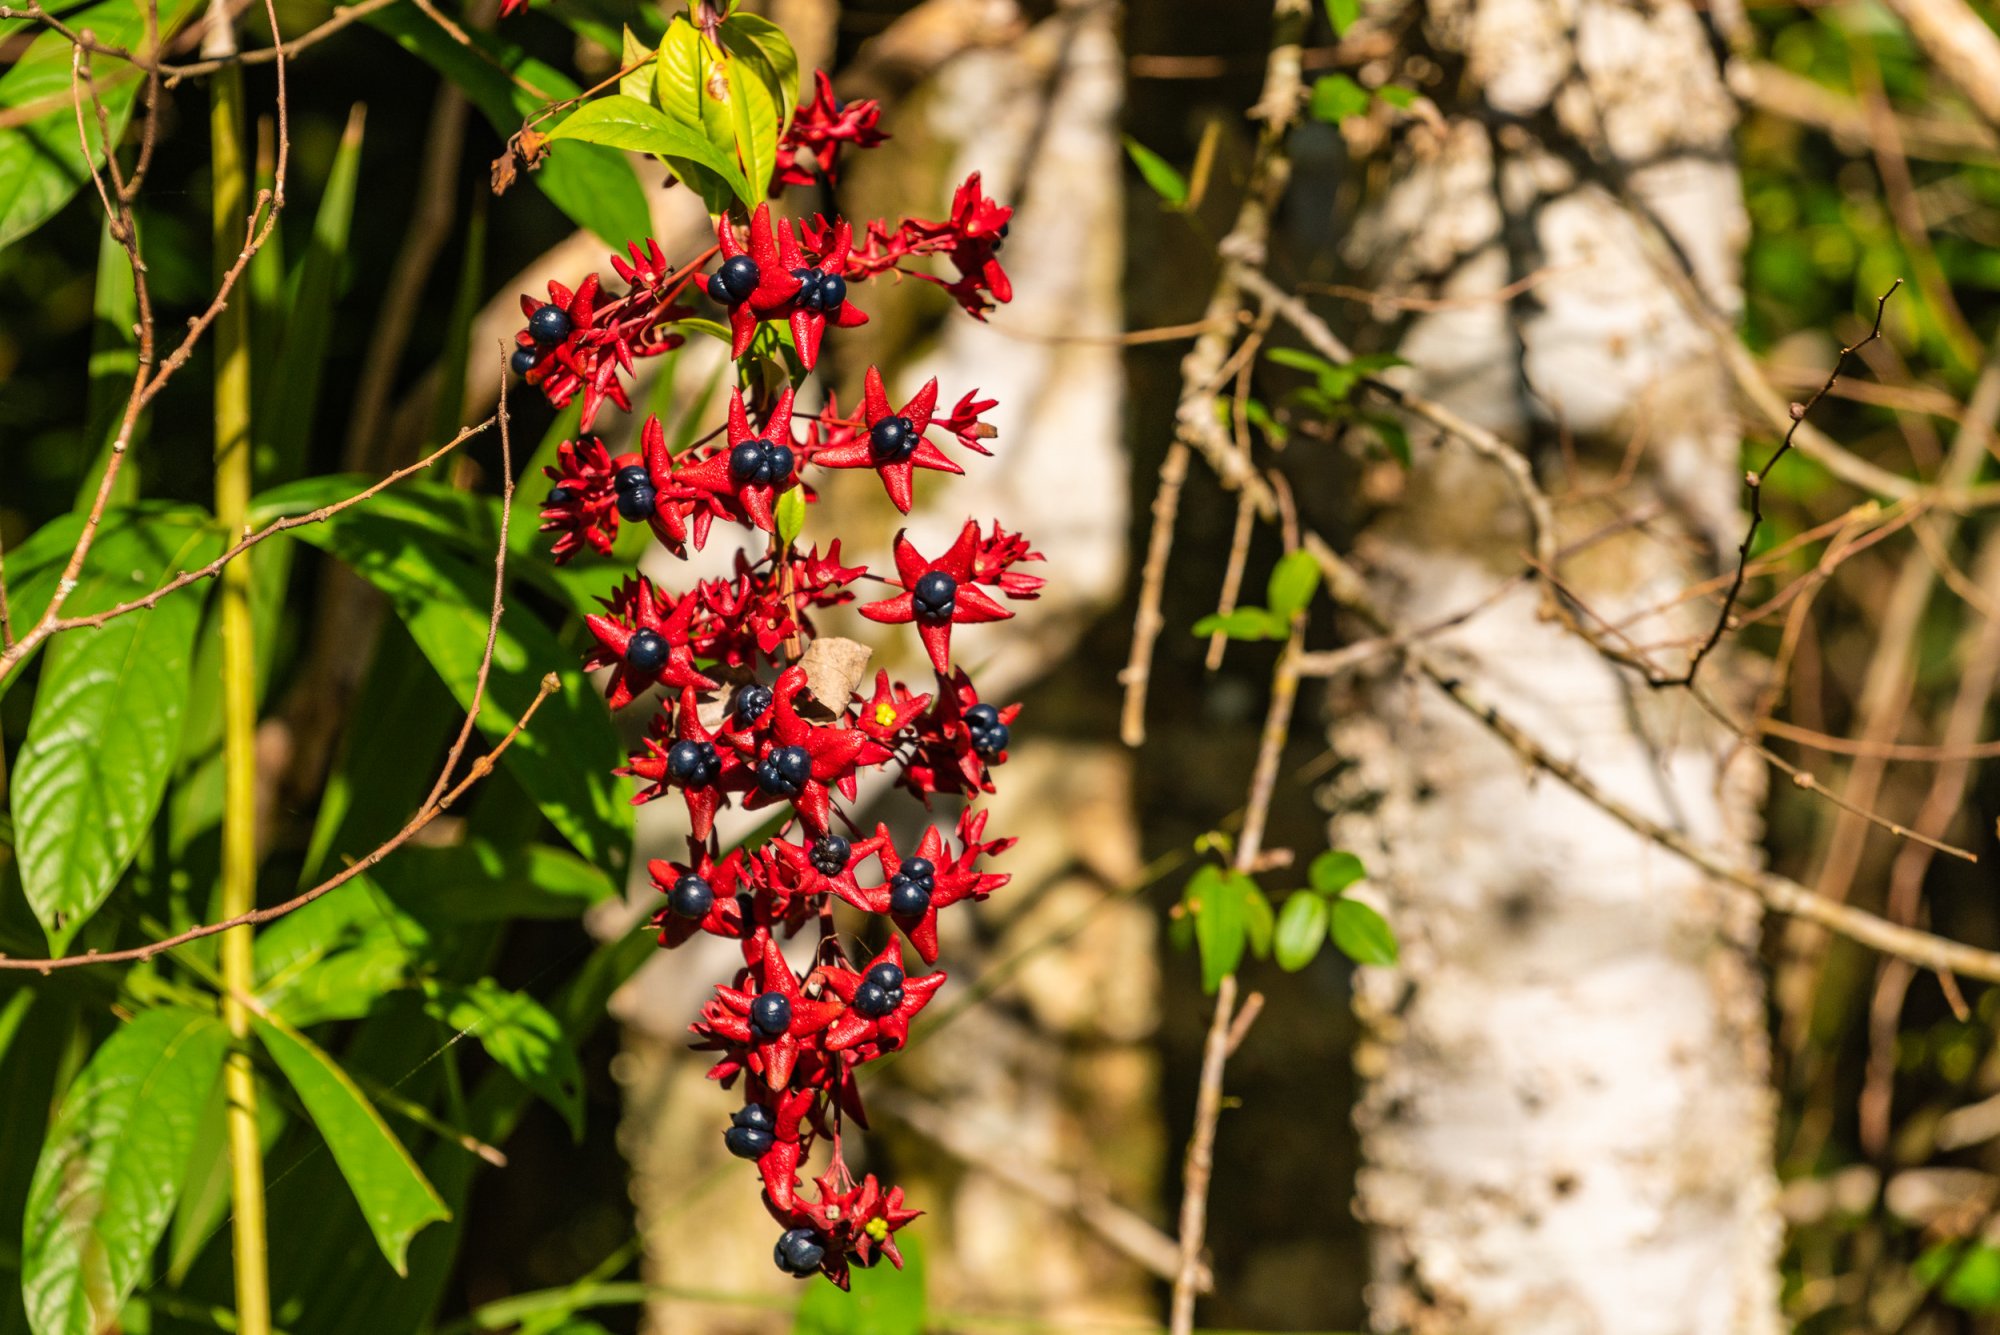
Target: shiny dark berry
<point>751,702</point>
<point>771,1014</point>
<point>558,496</point>
<point>755,1116</point>
<point>778,463</point>
<point>692,764</point>
<point>872,1000</point>
<point>734,281</point>
<point>919,870</point>
<point>832,293</point>
<point>646,651</point>
<point>638,504</point>
<point>631,477</point>
<point>981,717</point>
<point>892,440</point>
<point>690,897</point>
<point>887,977</point>
<point>992,741</point>
<point>523,360</point>
<point>746,463</point>
<point>747,1142</point>
<point>799,1252</point>
<point>830,854</point>
<point>935,596</point>
<point>549,324</point>
<point>907,897</point>
<point>808,295</point>
<point>785,771</point>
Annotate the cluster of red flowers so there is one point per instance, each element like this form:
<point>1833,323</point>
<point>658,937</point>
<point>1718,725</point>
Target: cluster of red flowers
<point>725,667</point>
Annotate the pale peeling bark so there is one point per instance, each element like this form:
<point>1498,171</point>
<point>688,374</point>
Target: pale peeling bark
<point>1567,1126</point>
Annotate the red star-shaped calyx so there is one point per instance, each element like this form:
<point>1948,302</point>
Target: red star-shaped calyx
<point>730,1017</point>
<point>887,712</point>
<point>753,467</point>
<point>835,753</point>
<point>888,1031</point>
<point>893,441</point>
<point>938,594</point>
<point>582,506</point>
<point>809,321</point>
<point>950,883</point>
<point>684,755</point>
<point>723,916</point>
<point>644,640</point>
<point>775,288</point>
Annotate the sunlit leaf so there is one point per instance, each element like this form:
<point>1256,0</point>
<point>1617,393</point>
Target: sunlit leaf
<point>1302,925</point>
<point>1159,174</point>
<point>519,1034</point>
<point>1362,934</point>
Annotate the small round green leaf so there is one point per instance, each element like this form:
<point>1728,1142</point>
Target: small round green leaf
<point>1362,934</point>
<point>1301,932</point>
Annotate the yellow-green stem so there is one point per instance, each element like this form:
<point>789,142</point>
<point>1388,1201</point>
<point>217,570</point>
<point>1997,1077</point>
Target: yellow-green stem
<point>239,709</point>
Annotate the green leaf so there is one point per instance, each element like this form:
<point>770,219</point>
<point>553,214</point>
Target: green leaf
<point>882,1301</point>
<point>1398,96</point>
<point>106,729</point>
<point>1333,871</point>
<point>1301,360</point>
<point>754,113</point>
<point>394,1197</point>
<point>1342,14</point>
<point>618,121</point>
<point>1158,173</point>
<point>1362,934</point>
<point>639,83</point>
<point>519,1034</point>
<point>565,758</point>
<point>690,86</point>
<point>1293,582</point>
<point>1244,623</point>
<point>755,38</point>
<point>596,187</point>
<point>1301,931</point>
<point>1335,97</point>
<point>114,358</point>
<point>478,882</point>
<point>112,1167</point>
<point>1215,901</point>
<point>790,512</point>
<point>1257,918</point>
<point>336,957</point>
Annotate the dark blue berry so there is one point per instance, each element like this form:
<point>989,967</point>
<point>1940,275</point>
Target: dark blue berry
<point>631,477</point>
<point>892,440</point>
<point>778,463</point>
<point>981,717</point>
<point>830,854</point>
<point>785,771</point>
<point>919,870</point>
<point>746,463</point>
<point>559,496</point>
<point>771,1014</point>
<point>887,977</point>
<point>646,651</point>
<point>832,293</point>
<point>692,764</point>
<point>799,1252</point>
<point>751,702</point>
<point>755,1116</point>
<point>638,504</point>
<point>523,360</point>
<point>992,741</point>
<point>872,1000</point>
<point>935,596</point>
<point>735,280</point>
<point>907,897</point>
<point>747,1142</point>
<point>549,324</point>
<point>690,897</point>
<point>808,295</point>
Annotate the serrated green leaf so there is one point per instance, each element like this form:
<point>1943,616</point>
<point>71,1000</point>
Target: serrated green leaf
<point>394,1196</point>
<point>1333,871</point>
<point>1215,901</point>
<point>882,1300</point>
<point>106,728</point>
<point>112,1166</point>
<point>1243,623</point>
<point>1302,925</point>
<point>519,1034</point>
<point>790,514</point>
<point>1159,174</point>
<point>1362,934</point>
<point>624,122</point>
<point>1293,582</point>
<point>1335,97</point>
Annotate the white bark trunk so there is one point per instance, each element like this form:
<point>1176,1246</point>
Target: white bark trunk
<point>1567,1125</point>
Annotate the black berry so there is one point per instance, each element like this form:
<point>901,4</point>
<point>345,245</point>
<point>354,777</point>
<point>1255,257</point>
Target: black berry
<point>935,596</point>
<point>832,293</point>
<point>735,280</point>
<point>981,717</point>
<point>785,771</point>
<point>778,463</point>
<point>754,1115</point>
<point>549,324</point>
<point>637,498</point>
<point>746,463</point>
<point>808,295</point>
<point>751,702</point>
<point>908,898</point>
<point>646,651</point>
<point>692,764</point>
<point>992,741</point>
<point>690,897</point>
<point>799,1252</point>
<point>523,360</point>
<point>886,976</point>
<point>872,1000</point>
<point>747,1142</point>
<point>771,1014</point>
<point>559,496</point>
<point>830,854</point>
<point>892,440</point>
<point>919,870</point>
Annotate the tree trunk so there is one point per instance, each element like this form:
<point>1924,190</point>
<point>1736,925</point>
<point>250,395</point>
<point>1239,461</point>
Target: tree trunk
<point>1567,1126</point>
